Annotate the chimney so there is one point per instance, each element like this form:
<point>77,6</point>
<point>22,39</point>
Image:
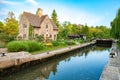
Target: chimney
<point>39,12</point>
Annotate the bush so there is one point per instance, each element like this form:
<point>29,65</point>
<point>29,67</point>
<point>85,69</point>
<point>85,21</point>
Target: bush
<point>40,38</point>
<point>41,46</point>
<point>63,43</point>
<point>16,46</point>
<point>70,42</point>
<point>48,44</point>
<point>55,43</point>
<point>6,38</point>
<point>2,44</point>
<point>30,46</point>
<point>80,41</point>
<point>33,46</point>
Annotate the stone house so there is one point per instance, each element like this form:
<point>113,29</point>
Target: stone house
<point>37,24</point>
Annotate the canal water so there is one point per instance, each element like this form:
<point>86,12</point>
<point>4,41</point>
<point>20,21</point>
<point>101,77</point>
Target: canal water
<point>77,65</point>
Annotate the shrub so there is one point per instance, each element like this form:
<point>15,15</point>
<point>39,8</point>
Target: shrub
<point>33,46</point>
<point>19,37</point>
<point>48,44</point>
<point>70,42</point>
<point>6,38</point>
<point>2,44</point>
<point>40,38</point>
<point>80,41</point>
<point>63,43</point>
<point>41,46</point>
<point>16,46</point>
<point>55,43</point>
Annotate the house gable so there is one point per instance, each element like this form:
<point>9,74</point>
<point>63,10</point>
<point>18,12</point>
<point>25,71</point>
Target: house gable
<point>23,27</point>
<point>41,25</point>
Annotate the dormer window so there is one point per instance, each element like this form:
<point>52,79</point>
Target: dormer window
<point>46,25</point>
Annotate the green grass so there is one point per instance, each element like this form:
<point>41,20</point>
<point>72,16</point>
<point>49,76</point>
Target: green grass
<point>49,49</point>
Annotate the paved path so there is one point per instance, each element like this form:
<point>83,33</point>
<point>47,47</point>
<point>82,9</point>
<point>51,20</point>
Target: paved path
<point>112,69</point>
<point>14,59</point>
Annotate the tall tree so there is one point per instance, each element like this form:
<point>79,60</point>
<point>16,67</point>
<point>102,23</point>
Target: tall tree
<point>85,30</point>
<point>54,18</point>
<point>1,27</point>
<point>11,25</point>
<point>115,26</point>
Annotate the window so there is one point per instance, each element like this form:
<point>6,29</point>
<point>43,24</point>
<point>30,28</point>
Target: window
<point>54,37</point>
<point>46,25</point>
<point>36,35</point>
<point>24,35</point>
<point>24,26</point>
<point>50,36</point>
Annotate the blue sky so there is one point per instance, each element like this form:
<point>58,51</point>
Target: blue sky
<point>92,12</point>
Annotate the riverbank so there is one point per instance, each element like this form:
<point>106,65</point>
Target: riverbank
<point>112,69</point>
<point>19,58</point>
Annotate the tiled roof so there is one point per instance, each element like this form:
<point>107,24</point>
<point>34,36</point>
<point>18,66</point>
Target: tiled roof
<point>54,25</point>
<point>36,21</point>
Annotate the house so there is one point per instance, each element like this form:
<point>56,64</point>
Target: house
<point>33,25</point>
<point>73,36</point>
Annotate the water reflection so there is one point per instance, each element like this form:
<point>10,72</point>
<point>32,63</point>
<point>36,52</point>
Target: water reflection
<point>61,66</point>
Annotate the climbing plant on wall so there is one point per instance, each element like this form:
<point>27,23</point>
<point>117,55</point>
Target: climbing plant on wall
<point>30,32</point>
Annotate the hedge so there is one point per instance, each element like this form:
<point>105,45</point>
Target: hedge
<point>30,46</point>
<point>16,46</point>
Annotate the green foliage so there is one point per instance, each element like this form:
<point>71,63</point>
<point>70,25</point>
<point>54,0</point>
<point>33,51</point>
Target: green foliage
<point>33,46</point>
<point>30,32</point>
<point>62,43</point>
<point>11,27</point>
<point>70,42</point>
<point>30,46</point>
<point>115,26</point>
<point>48,44</point>
<point>2,44</point>
<point>16,46</point>
<point>55,43</point>
<point>40,38</point>
<point>6,38</point>
<point>85,30</point>
<point>99,32</point>
<point>9,30</point>
<point>80,40</point>
<point>54,18</point>
<point>1,27</point>
<point>91,32</point>
<point>41,46</point>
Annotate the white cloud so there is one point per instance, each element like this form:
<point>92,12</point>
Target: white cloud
<point>8,2</point>
<point>32,2</point>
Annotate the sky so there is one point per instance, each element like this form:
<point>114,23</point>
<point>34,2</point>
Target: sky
<point>90,12</point>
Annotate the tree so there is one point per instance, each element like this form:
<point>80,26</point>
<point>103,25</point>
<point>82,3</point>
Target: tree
<point>115,26</point>
<point>9,30</point>
<point>1,27</point>
<point>11,26</point>
<point>54,18</point>
<point>85,30</point>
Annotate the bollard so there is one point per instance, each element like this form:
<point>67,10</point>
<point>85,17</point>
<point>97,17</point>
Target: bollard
<point>47,52</point>
<point>3,54</point>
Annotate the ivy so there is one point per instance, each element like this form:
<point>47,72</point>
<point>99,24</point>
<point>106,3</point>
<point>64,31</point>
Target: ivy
<point>30,32</point>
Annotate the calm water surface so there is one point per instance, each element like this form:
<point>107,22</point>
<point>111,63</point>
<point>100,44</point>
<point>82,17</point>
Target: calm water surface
<point>78,65</point>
